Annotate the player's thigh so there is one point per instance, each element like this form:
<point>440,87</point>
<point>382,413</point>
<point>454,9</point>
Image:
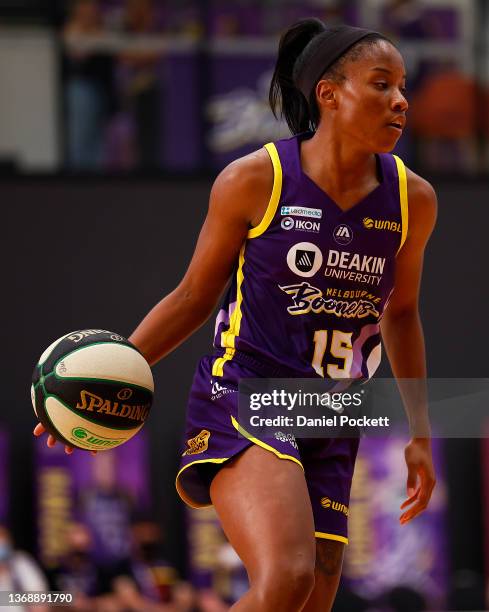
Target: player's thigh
<point>263,504</point>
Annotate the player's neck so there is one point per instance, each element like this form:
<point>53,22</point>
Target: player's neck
<point>335,164</point>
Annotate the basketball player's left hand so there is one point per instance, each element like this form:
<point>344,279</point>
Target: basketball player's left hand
<point>421,478</point>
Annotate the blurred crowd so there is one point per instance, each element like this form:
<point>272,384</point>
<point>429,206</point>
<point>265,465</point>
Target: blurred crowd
<point>100,540</point>
<point>101,534</point>
<point>144,581</point>
<point>109,552</point>
<point>141,581</point>
<point>94,92</point>
<point>116,78</point>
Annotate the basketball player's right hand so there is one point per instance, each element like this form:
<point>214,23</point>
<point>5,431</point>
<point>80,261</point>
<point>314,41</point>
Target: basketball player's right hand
<point>39,430</point>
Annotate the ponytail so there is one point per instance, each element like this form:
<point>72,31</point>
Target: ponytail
<point>309,51</point>
<point>285,98</point>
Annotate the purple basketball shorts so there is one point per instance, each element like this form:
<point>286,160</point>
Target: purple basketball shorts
<point>214,435</point>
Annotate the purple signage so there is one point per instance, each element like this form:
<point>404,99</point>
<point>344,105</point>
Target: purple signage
<point>205,538</point>
<point>101,491</point>
<point>212,561</point>
<point>383,554</point>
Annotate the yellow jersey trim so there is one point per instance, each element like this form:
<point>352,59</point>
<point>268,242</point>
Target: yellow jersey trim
<point>267,447</point>
<point>218,365</point>
<point>276,193</point>
<point>403,194</point>
<point>180,490</point>
<point>228,337</point>
<point>330,536</point>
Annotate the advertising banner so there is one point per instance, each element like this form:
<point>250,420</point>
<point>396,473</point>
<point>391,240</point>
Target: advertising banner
<point>102,491</point>
<point>382,554</point>
<point>212,562</point>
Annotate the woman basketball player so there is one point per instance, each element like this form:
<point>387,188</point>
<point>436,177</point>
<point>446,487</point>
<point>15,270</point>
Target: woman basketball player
<point>306,299</point>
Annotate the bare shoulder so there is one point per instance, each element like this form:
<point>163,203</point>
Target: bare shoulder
<point>423,206</point>
<point>246,185</point>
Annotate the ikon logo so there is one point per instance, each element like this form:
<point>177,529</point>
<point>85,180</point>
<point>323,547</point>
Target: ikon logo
<point>304,225</point>
<point>304,259</point>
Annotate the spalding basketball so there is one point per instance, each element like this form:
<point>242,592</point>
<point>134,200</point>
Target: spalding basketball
<point>92,389</point>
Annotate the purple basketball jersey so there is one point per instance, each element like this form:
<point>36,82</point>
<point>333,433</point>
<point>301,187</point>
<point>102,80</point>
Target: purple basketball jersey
<point>312,281</point>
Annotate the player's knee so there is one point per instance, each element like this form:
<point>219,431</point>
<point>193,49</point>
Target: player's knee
<point>329,557</point>
<point>287,582</point>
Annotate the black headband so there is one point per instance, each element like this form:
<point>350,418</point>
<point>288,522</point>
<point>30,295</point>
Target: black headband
<point>323,51</point>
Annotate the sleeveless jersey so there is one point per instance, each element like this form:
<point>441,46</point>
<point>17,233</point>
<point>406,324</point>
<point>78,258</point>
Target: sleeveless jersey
<point>312,281</point>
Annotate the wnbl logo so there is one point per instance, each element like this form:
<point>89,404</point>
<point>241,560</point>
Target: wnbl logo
<point>343,234</point>
<point>382,224</point>
<point>326,502</point>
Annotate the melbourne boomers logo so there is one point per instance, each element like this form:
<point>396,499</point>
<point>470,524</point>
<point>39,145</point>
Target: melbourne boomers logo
<point>304,259</point>
<point>382,224</point>
<point>306,298</point>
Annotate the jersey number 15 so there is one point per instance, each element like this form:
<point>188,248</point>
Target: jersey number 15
<point>341,348</point>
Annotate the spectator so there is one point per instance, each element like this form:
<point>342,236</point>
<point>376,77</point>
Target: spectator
<point>142,84</point>
<point>77,573</point>
<point>89,86</point>
<point>153,575</point>
<point>130,599</point>
<point>107,510</point>
<point>188,599</point>
<point>405,599</point>
<point>209,601</point>
<point>231,572</point>
<point>443,115</point>
<point>185,597</point>
<point>19,572</point>
<point>404,19</point>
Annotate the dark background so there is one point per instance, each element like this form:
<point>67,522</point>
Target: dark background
<point>87,253</point>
